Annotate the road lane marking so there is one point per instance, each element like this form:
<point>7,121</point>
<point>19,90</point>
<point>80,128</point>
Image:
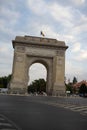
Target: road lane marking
<point>6,124</point>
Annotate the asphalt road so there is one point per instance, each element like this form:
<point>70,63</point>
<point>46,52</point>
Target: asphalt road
<point>42,113</point>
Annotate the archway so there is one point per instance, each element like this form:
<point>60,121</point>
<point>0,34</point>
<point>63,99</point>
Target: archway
<point>47,63</point>
<point>49,52</point>
<point>37,71</point>
<point>37,79</point>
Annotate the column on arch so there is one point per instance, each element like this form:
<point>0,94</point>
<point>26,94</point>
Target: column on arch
<point>19,79</point>
<point>58,75</point>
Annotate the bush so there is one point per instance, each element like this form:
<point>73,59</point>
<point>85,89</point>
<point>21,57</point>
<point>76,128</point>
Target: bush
<point>83,89</point>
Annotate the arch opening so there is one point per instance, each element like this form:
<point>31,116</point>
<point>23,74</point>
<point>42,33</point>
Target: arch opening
<point>37,78</point>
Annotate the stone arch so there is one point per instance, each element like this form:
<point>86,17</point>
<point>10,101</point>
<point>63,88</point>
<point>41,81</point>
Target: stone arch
<point>49,52</point>
<point>48,64</point>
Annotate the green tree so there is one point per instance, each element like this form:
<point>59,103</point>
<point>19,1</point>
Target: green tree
<point>69,87</point>
<point>74,80</point>
<point>37,86</point>
<point>4,81</point>
<point>1,83</point>
<point>83,89</point>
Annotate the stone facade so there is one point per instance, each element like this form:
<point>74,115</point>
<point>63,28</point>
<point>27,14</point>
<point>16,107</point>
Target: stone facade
<point>49,52</point>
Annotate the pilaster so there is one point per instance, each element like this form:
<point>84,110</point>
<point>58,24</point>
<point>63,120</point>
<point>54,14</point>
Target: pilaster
<point>59,73</point>
<point>19,79</point>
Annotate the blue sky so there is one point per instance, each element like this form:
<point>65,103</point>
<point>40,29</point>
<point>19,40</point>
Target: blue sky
<point>63,20</point>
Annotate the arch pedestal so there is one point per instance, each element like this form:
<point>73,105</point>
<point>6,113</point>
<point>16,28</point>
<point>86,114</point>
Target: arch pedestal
<point>49,52</point>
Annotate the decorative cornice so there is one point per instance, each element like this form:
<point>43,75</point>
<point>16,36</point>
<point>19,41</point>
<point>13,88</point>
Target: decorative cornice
<point>38,41</point>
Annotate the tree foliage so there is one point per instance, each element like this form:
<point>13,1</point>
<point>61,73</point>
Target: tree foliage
<point>74,80</point>
<point>69,87</point>
<point>37,86</point>
<point>4,81</point>
<point>83,89</point>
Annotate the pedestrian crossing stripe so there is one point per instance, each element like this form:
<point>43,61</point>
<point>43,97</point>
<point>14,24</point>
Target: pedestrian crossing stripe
<point>6,124</point>
<point>75,108</point>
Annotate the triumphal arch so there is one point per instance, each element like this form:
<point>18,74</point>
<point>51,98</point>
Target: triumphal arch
<point>47,51</point>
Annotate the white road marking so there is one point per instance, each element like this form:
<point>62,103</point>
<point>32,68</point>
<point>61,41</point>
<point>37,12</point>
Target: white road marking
<point>6,124</point>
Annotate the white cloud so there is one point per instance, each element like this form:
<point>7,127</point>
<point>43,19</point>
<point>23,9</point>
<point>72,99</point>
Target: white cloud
<point>81,26</point>
<point>68,38</point>
<point>76,47</point>
<point>81,56</point>
<point>64,15</point>
<point>59,12</point>
<point>8,20</point>
<point>9,15</point>
<point>3,49</point>
<point>37,6</point>
<point>6,56</point>
<point>78,2</point>
<point>74,69</point>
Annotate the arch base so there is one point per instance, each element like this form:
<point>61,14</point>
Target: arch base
<point>17,88</point>
<point>59,90</point>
